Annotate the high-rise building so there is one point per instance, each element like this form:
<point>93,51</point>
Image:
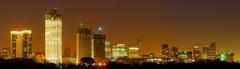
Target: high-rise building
<point>83,48</point>
<point>98,46</point>
<point>174,52</point>
<point>119,51</point>
<point>133,52</point>
<point>21,44</point>
<point>139,45</point>
<point>205,52</point>
<point>212,51</point>
<point>230,57</point>
<point>53,36</point>
<point>165,51</point>
<point>6,53</point>
<point>196,53</point>
<point>108,49</point>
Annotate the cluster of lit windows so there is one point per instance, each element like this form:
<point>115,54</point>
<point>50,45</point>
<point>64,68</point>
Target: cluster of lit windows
<point>21,43</point>
<point>119,51</point>
<point>133,49</point>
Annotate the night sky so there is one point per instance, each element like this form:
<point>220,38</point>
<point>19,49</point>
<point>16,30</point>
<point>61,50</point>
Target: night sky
<point>181,23</point>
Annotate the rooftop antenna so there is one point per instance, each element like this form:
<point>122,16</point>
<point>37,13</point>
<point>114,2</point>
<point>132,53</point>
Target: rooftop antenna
<point>55,4</point>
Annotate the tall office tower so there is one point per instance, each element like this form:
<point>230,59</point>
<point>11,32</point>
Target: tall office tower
<point>205,52</point>
<point>165,51</point>
<point>83,48</point>
<point>119,51</point>
<point>6,53</point>
<point>53,36</point>
<point>133,50</point>
<point>98,47</point>
<point>139,45</point>
<point>230,57</point>
<point>196,53</point>
<point>21,43</point>
<point>174,52</point>
<point>212,51</point>
<point>108,49</point>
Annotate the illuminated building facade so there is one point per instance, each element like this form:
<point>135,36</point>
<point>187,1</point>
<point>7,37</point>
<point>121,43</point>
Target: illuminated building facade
<point>53,36</point>
<point>212,51</point>
<point>119,51</point>
<point>226,57</point>
<point>108,49</point>
<point>196,53</point>
<point>83,48</point>
<point>165,51</point>
<point>6,53</point>
<point>230,57</point>
<point>21,44</point>
<point>133,52</point>
<point>139,45</point>
<point>98,46</point>
<point>204,52</point>
<point>174,52</point>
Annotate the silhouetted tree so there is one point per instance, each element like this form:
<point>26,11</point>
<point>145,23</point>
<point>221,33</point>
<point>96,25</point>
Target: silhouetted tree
<point>87,61</point>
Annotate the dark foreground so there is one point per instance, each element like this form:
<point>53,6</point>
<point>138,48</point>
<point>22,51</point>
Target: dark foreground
<point>30,64</point>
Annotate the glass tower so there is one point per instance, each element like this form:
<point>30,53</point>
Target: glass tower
<point>53,36</point>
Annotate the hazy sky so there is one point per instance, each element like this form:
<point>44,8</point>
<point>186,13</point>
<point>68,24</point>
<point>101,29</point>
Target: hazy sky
<point>181,23</point>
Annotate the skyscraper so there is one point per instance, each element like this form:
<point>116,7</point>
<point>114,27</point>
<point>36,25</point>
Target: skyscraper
<point>139,45</point>
<point>53,36</point>
<point>196,53</point>
<point>212,51</point>
<point>205,52</point>
<point>98,46</point>
<point>83,43</point>
<point>21,44</point>
<point>174,52</point>
<point>165,51</point>
<point>108,49</point>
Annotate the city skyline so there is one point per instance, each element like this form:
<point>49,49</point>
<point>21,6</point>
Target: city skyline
<point>183,29</point>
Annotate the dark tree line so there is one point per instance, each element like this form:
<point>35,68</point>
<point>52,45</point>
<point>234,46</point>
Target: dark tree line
<point>31,64</point>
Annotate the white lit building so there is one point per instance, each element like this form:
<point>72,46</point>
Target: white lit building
<point>53,36</point>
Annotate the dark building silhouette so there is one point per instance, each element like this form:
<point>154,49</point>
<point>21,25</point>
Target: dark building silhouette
<point>212,51</point>
<point>83,43</point>
<point>98,46</point>
<point>165,51</point>
<point>196,53</point>
<point>174,52</point>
